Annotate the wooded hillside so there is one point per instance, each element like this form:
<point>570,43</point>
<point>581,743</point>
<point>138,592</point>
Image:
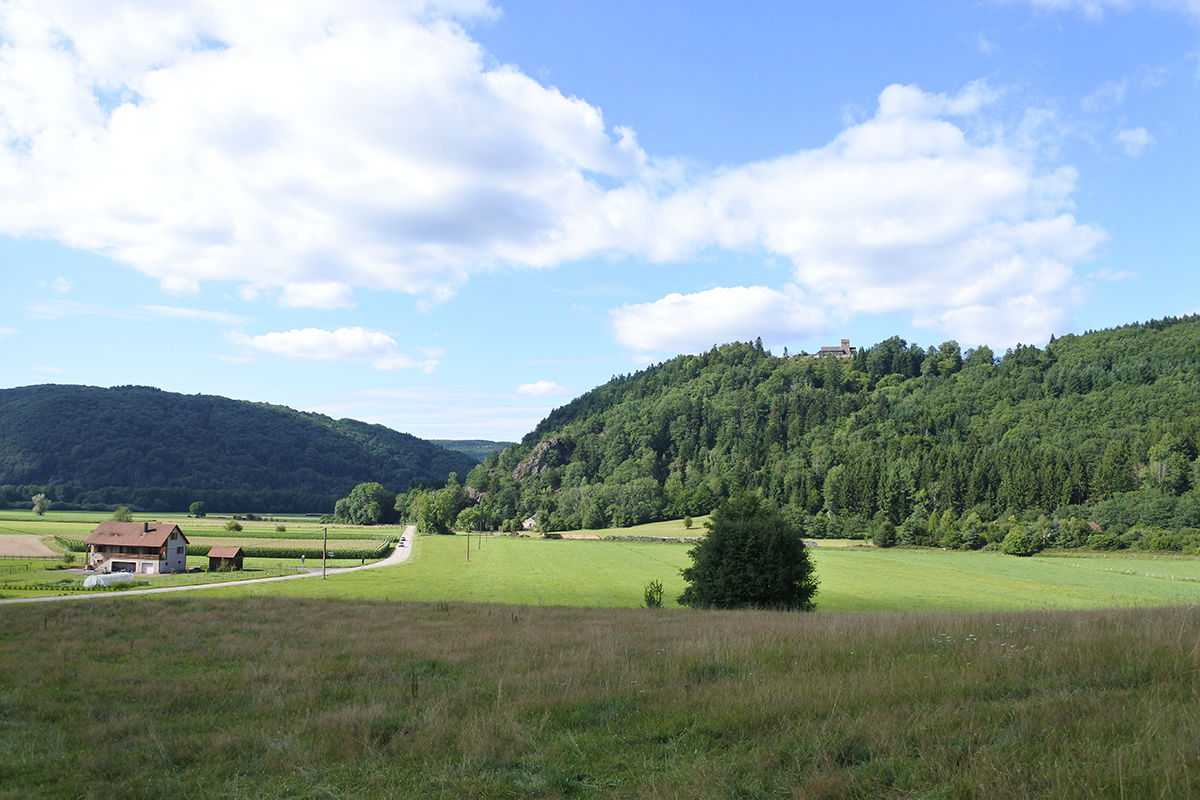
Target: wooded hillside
<point>1103,426</point>
<point>155,450</point>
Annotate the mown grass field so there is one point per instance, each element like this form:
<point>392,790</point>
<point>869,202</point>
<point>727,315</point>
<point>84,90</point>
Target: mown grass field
<point>290,698</point>
<point>614,574</point>
<point>597,573</point>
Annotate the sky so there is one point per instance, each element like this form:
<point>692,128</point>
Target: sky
<point>452,216</point>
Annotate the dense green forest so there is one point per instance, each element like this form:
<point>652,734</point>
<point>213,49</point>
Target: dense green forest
<point>88,447</point>
<point>908,444</point>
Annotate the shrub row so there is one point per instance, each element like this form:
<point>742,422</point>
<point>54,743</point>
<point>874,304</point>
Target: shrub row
<point>267,534</point>
<point>672,539</point>
<point>297,552</point>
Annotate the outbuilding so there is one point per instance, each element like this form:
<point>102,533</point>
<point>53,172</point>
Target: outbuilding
<point>225,558</point>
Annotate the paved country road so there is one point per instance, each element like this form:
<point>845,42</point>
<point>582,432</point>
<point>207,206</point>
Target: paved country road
<point>399,555</point>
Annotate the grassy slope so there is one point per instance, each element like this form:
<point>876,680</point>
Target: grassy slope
<point>274,698</point>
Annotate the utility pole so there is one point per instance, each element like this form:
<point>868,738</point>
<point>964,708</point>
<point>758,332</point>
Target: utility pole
<point>468,545</point>
<point>324,551</point>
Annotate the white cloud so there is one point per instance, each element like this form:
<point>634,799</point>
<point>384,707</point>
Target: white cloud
<point>344,344</point>
<point>370,142</point>
<point>323,294</point>
<point>1134,141</point>
<point>540,389</point>
<point>61,285</point>
<point>695,322</point>
<point>6,332</point>
<point>375,145</point>
<point>903,213</point>
<point>986,46</point>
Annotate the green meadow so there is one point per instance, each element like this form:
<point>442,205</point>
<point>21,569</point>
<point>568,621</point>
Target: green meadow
<point>601,574</point>
<point>524,668</point>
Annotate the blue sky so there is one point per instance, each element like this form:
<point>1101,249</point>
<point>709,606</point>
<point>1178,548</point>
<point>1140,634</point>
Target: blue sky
<point>450,216</point>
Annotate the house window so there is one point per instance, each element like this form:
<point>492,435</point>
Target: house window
<point>179,550</point>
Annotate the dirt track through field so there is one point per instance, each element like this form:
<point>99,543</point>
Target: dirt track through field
<point>21,545</point>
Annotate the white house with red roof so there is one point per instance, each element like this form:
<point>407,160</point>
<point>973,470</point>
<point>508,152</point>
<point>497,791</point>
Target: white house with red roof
<point>147,548</point>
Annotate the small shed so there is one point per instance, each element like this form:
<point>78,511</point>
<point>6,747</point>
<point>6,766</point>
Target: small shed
<point>225,558</point>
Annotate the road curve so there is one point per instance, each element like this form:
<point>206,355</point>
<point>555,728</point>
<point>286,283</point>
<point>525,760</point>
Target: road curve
<point>397,556</point>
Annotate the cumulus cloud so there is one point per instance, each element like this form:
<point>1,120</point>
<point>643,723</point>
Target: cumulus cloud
<point>1134,141</point>
<point>308,149</point>
<point>371,142</point>
<point>540,389</point>
<point>344,344</point>
<point>903,213</point>
<point>694,322</point>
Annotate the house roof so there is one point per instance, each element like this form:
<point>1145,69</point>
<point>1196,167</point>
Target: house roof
<point>133,534</point>
<point>224,551</point>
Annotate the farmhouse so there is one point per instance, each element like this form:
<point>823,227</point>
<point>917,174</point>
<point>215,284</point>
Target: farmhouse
<point>151,549</point>
<point>224,558</point>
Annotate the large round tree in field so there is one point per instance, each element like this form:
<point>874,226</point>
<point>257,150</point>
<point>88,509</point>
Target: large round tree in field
<point>752,557</point>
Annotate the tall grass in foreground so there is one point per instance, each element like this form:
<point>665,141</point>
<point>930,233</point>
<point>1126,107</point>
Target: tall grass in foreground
<point>269,697</point>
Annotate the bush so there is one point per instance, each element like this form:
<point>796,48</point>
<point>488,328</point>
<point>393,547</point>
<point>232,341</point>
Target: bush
<point>281,528</point>
<point>751,558</point>
<point>1104,541</point>
<point>1020,543</point>
<point>654,594</point>
<point>233,525</point>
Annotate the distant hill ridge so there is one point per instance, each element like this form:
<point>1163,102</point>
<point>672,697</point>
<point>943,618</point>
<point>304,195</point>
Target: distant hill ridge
<point>157,450</point>
<point>478,449</point>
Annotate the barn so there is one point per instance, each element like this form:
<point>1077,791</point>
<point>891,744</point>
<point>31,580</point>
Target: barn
<point>225,558</point>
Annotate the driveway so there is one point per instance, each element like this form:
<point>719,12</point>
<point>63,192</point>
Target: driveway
<point>397,556</point>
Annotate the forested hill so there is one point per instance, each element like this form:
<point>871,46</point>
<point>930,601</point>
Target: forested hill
<point>140,446</point>
<point>1104,425</point>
